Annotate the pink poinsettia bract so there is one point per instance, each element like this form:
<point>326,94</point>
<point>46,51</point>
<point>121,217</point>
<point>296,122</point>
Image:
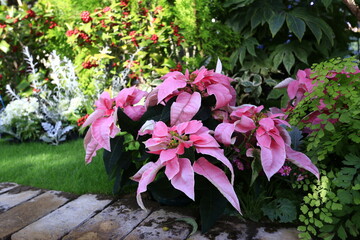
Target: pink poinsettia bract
<point>170,143</point>
<point>103,119</point>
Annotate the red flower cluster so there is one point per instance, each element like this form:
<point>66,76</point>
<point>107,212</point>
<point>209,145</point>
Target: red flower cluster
<point>81,120</point>
<point>144,12</point>
<point>154,38</point>
<point>81,35</point>
<point>53,24</point>
<point>180,38</point>
<point>89,64</point>
<point>124,3</point>
<point>69,33</point>
<point>133,34</point>
<point>133,76</point>
<point>2,25</point>
<point>85,16</point>
<point>30,14</point>
<point>177,69</point>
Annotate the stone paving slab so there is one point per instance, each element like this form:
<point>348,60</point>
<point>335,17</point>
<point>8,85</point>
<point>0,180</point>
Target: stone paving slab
<point>16,196</point>
<point>114,222</point>
<point>61,221</point>
<point>223,230</point>
<point>26,213</point>
<point>161,224</point>
<point>276,234</point>
<point>4,187</point>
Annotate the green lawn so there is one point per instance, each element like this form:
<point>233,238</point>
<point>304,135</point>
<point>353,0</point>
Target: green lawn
<point>53,167</point>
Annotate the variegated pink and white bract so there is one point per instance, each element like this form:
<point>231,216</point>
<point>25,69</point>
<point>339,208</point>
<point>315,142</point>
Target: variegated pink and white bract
<point>206,82</point>
<point>103,119</point>
<point>170,143</point>
<point>273,140</point>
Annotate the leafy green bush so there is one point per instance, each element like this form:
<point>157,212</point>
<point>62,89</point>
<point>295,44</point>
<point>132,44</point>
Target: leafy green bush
<point>127,41</point>
<point>279,37</point>
<point>36,28</point>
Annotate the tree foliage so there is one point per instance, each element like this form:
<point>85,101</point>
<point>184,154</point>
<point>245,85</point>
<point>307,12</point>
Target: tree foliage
<point>279,37</point>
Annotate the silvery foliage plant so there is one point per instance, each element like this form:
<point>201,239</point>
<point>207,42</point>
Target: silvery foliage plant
<point>63,103</point>
<point>66,99</point>
<point>51,109</point>
<point>55,133</point>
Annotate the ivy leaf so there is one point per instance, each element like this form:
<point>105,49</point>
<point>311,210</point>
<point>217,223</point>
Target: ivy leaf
<point>296,25</point>
<point>276,22</point>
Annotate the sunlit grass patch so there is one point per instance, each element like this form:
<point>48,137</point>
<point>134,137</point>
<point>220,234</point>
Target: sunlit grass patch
<point>53,167</point>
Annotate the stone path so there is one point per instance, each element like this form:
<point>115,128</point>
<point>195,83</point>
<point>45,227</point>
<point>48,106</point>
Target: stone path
<point>30,213</point>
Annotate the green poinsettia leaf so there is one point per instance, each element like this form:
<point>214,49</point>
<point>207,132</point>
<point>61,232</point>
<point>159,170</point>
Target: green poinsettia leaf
<point>212,206</point>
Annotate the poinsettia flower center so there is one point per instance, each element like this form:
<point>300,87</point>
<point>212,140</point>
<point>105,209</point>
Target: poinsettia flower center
<point>176,139</point>
<point>192,77</point>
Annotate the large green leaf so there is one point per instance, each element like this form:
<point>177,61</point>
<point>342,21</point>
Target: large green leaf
<point>127,124</point>
<point>250,44</point>
<point>314,23</point>
<point>276,22</point>
<point>242,54</point>
<point>301,54</point>
<point>153,113</point>
<point>289,61</point>
<point>326,29</point>
<point>113,159</point>
<point>212,206</point>
<point>277,59</point>
<point>295,25</point>
<point>256,18</point>
<point>316,30</point>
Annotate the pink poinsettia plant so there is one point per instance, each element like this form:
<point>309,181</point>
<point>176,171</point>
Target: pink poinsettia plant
<point>186,130</point>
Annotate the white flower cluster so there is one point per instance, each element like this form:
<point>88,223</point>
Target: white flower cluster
<point>21,118</point>
<point>24,109</point>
